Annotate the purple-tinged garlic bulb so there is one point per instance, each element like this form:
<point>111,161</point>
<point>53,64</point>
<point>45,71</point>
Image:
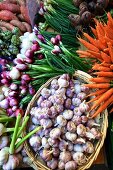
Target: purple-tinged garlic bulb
<point>67,103</point>
<point>35,121</point>
<point>81,95</point>
<point>59,99</point>
<point>40,100</point>
<point>63,145</point>
<point>61,121</point>
<point>81,130</point>
<point>71,127</point>
<point>92,123</point>
<point>71,165</point>
<point>59,108</point>
<point>45,93</point>
<point>77,87</point>
<point>70,146</point>
<point>4,140</point>
<point>76,102</point>
<point>46,103</point>
<point>46,123</point>
<point>53,142</point>
<point>68,114</point>
<point>54,84</point>
<point>4,155</point>
<point>88,147</point>
<point>78,148</point>
<point>69,93</point>
<point>65,156</point>
<point>79,157</point>
<point>52,163</point>
<point>63,83</point>
<point>35,141</point>
<point>77,119</point>
<point>45,143</point>
<point>77,111</point>
<point>46,155</point>
<point>65,77</point>
<point>96,133</point>
<point>56,151</point>
<point>53,112</point>
<point>71,136</point>
<point>61,92</point>
<point>55,133</point>
<point>84,107</point>
<point>80,140</point>
<point>61,165</point>
<point>84,119</point>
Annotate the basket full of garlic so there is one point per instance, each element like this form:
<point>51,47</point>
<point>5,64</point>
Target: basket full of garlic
<point>68,138</point>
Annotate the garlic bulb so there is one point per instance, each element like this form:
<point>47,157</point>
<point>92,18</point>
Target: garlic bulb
<point>4,155</point>
<point>68,114</point>
<point>88,147</point>
<point>3,141</point>
<point>63,83</point>
<point>65,156</point>
<point>78,148</point>
<point>79,157</point>
<point>71,136</point>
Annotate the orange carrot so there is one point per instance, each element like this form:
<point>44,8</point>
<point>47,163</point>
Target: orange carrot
<point>83,52</point>
<point>106,50</point>
<point>88,45</point>
<point>103,106</point>
<point>105,57</point>
<point>95,54</point>
<point>107,39</point>
<point>100,80</point>
<point>100,86</point>
<point>104,74</point>
<point>110,19</point>
<point>103,98</point>
<point>93,99</point>
<point>109,32</point>
<point>91,40</point>
<point>94,31</point>
<point>111,67</point>
<point>105,64</point>
<point>110,47</point>
<point>97,92</point>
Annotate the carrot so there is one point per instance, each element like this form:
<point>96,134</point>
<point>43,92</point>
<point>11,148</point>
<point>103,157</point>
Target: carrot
<point>91,40</point>
<point>6,15</point>
<point>110,19</point>
<point>109,32</point>
<point>94,31</point>
<point>10,7</point>
<point>103,106</point>
<point>110,51</point>
<point>19,25</point>
<point>97,92</point>
<point>83,52</point>
<point>100,80</point>
<point>105,57</point>
<point>106,50</point>
<point>93,99</point>
<point>97,55</point>
<point>107,39</point>
<point>7,25</point>
<point>88,45</point>
<point>111,67</point>
<point>24,12</point>
<point>104,74</point>
<point>100,86</point>
<point>102,68</point>
<point>102,98</point>
<point>28,27</point>
<point>105,64</point>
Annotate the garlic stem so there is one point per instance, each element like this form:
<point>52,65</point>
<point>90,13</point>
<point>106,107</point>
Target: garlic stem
<point>6,119</point>
<point>23,126</point>
<point>14,138</point>
<point>27,136</point>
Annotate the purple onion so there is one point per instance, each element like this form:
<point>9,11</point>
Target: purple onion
<point>32,90</point>
<point>21,67</point>
<point>13,102</point>
<point>23,91</point>
<point>29,53</point>
<point>58,37</point>
<point>9,111</point>
<point>18,61</point>
<point>35,47</point>
<point>13,93</point>
<point>5,81</point>
<point>54,41</point>
<point>69,93</point>
<point>29,60</point>
<point>5,75</point>
<point>13,86</point>
<point>56,50</point>
<point>14,108</point>
<point>40,56</point>
<point>4,104</point>
<point>41,38</point>
<point>23,83</point>
<point>26,77</point>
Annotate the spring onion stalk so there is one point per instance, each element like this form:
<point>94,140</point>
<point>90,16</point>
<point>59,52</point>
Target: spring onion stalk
<point>27,136</point>
<point>6,119</point>
<point>14,138</point>
<point>23,126</point>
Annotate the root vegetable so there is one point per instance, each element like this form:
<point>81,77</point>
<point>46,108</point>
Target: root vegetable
<point>55,133</point>
<point>4,155</point>
<point>88,147</point>
<point>81,130</point>
<point>21,18</point>
<point>7,25</point>
<point>14,8</point>
<point>68,114</point>
<point>71,136</point>
<point>61,165</point>
<point>65,156</point>
<point>19,25</point>
<point>11,1</point>
<point>46,155</point>
<point>46,123</point>
<point>28,26</point>
<point>56,151</point>
<point>76,101</point>
<point>24,12</point>
<point>71,165</point>
<point>3,28</point>
<point>35,141</point>
<point>7,15</point>
<point>63,145</point>
<point>61,121</point>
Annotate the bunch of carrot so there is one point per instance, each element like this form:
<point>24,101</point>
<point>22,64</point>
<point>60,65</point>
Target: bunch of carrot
<point>14,13</point>
<point>100,48</point>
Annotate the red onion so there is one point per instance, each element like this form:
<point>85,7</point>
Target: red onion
<point>14,108</point>
<point>32,90</point>
<point>24,83</point>
<point>17,61</point>
<point>54,41</point>
<point>40,56</point>
<point>58,37</point>
<point>21,67</point>
<point>4,104</point>
<point>29,60</point>
<point>13,102</point>
<point>35,47</point>
<point>41,38</point>
<point>9,111</point>
<point>5,81</point>
<point>29,53</point>
<point>56,50</point>
<point>26,77</point>
<point>13,93</point>
<point>13,86</point>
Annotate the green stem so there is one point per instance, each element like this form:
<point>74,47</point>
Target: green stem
<point>10,129</point>
<point>14,138</point>
<point>6,119</point>
<point>44,68</point>
<point>27,136</point>
<point>23,126</point>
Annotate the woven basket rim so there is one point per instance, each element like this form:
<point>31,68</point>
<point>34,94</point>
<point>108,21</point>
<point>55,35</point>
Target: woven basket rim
<point>85,77</point>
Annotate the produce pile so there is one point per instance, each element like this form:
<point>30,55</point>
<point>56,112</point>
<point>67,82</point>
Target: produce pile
<point>14,14</point>
<point>68,136</point>
<point>64,126</point>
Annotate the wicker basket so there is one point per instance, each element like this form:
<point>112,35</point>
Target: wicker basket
<point>36,161</point>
